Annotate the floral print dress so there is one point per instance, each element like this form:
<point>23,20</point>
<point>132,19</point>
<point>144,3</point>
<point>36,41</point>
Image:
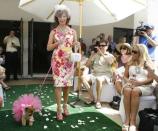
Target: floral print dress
<point>62,67</point>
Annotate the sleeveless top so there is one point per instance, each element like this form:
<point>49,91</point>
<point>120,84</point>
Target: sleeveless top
<point>62,67</point>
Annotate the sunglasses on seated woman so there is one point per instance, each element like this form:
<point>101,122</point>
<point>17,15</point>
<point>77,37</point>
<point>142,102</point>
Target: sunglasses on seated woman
<point>123,47</point>
<point>103,45</point>
<point>134,52</point>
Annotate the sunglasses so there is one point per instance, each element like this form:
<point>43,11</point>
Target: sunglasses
<point>102,45</point>
<point>124,48</point>
<point>134,52</point>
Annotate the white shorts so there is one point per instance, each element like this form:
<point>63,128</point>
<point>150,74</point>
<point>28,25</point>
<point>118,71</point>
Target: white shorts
<point>103,78</point>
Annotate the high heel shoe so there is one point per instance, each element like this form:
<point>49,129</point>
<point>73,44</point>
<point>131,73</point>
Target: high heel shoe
<point>59,115</point>
<point>65,110</point>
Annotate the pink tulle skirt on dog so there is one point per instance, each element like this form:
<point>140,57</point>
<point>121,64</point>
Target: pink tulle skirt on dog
<point>22,102</point>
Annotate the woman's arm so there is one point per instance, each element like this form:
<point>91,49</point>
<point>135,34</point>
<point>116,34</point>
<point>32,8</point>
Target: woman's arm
<point>51,44</point>
<point>149,80</point>
<point>76,44</point>
<point>90,60</point>
<point>151,73</point>
<point>126,73</point>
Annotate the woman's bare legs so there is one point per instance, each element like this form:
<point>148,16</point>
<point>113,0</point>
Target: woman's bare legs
<point>4,85</point>
<point>135,99</point>
<point>118,86</point>
<point>127,104</point>
<point>87,83</point>
<point>99,84</point>
<point>58,91</point>
<point>66,96</point>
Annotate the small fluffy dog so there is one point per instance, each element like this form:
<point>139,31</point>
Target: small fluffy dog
<point>24,108</point>
<point>27,116</point>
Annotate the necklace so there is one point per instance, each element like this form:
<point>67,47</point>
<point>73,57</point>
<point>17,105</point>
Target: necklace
<point>137,69</point>
<point>62,29</point>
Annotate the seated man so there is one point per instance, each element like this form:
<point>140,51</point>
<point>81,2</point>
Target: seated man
<point>101,65</point>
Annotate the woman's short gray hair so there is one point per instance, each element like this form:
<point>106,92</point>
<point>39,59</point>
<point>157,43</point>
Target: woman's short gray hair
<point>59,10</point>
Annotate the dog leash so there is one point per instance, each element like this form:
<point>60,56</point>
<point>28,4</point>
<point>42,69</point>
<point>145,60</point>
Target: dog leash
<point>43,82</point>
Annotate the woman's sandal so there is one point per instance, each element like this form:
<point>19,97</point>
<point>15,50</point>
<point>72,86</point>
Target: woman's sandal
<point>132,128</point>
<point>98,105</point>
<point>66,112</point>
<point>125,127</point>
<point>59,116</point>
<point>89,102</point>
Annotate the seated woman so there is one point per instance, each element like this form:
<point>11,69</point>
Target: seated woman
<point>101,65</point>
<point>2,69</point>
<point>122,60</point>
<point>2,77</point>
<point>138,83</point>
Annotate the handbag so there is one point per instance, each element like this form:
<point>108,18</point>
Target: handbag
<point>115,102</point>
<point>75,57</point>
<point>148,119</point>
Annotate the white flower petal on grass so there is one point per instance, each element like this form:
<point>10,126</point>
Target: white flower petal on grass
<point>45,115</point>
<point>47,119</point>
<point>46,110</point>
<point>96,118</point>
<point>45,127</point>
<point>79,121</point>
<point>88,117</point>
<point>92,121</point>
<point>47,96</point>
<point>40,113</point>
<point>76,126</point>
<point>64,122</point>
<point>14,92</point>
<point>49,114</point>
<point>57,126</point>
<point>72,126</point>
<point>42,96</point>
<point>51,120</point>
<point>6,115</point>
<point>104,127</point>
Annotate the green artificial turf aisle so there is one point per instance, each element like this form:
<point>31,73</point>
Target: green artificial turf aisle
<point>81,119</point>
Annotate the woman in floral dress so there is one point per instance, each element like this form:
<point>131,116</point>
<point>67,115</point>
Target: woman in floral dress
<point>62,39</point>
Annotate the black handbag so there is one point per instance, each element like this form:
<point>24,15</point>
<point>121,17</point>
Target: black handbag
<point>115,102</point>
<point>148,119</point>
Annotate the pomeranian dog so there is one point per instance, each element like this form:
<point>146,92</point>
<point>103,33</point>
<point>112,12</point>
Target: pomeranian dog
<point>27,116</point>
